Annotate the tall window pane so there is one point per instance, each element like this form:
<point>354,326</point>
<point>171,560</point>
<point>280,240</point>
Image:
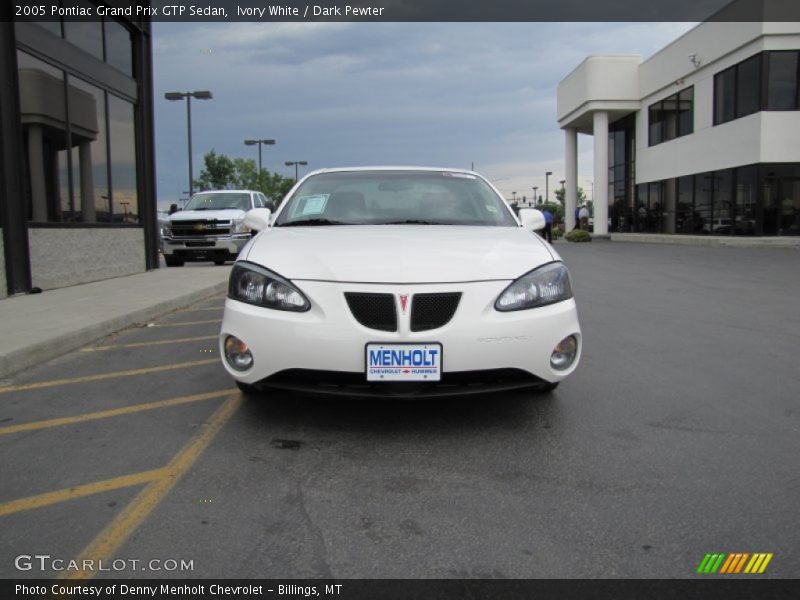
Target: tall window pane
<point>746,199</point>
<point>87,109</point>
<point>724,95</point>
<point>640,214</point>
<point>703,183</point>
<point>722,223</point>
<point>119,52</point>
<point>686,111</point>
<point>86,34</point>
<point>782,81</point>
<point>125,203</point>
<point>685,219</point>
<point>44,130</point>
<point>670,107</point>
<point>748,86</point>
<point>656,208</point>
<point>655,119</point>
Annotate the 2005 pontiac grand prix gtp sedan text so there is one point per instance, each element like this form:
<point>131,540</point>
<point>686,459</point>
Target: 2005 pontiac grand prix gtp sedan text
<point>398,281</point>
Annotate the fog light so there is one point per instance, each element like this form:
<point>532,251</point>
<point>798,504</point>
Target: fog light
<point>564,353</point>
<point>237,354</point>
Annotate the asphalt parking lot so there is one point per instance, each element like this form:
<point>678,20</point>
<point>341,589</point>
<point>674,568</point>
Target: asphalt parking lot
<point>677,436</point>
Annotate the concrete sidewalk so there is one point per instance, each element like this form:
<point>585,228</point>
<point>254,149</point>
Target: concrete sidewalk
<point>37,327</point>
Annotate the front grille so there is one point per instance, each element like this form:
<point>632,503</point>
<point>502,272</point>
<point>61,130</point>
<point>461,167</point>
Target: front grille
<point>339,383</point>
<point>376,311</point>
<point>198,229</point>
<point>431,311</point>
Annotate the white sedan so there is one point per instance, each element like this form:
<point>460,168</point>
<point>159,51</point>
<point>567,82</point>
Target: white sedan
<point>397,281</point>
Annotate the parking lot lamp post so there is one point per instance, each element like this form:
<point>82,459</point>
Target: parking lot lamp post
<point>535,197</point>
<point>295,163</point>
<point>547,186</point>
<point>200,95</point>
<point>259,142</point>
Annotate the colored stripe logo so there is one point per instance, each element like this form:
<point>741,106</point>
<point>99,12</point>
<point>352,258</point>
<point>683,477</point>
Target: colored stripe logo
<point>734,563</point>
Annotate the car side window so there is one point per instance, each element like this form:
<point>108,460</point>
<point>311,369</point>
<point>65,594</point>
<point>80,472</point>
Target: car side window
<point>256,201</point>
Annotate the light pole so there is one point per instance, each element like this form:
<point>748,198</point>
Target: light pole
<point>514,197</point>
<point>535,197</point>
<point>200,95</point>
<point>547,186</point>
<point>259,142</point>
<point>294,163</point>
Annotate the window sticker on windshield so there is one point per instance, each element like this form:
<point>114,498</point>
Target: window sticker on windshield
<point>312,205</point>
<point>459,175</point>
<point>491,209</point>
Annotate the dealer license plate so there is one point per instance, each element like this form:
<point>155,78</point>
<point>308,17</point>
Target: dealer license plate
<point>404,362</point>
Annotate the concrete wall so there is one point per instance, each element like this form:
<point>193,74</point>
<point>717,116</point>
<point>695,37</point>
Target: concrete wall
<point>63,257</point>
<point>3,288</point>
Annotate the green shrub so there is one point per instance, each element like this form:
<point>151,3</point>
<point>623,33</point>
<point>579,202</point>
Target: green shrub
<point>578,235</point>
<point>557,232</point>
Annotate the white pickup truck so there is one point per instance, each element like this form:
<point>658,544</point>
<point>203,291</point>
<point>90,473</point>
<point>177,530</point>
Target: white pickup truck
<point>210,227</point>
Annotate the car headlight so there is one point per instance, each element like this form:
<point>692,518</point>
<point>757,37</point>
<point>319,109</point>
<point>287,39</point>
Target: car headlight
<point>238,226</point>
<point>256,285</point>
<point>166,230</point>
<point>546,285</point>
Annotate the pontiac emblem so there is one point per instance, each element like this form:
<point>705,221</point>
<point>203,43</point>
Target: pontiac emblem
<point>200,227</point>
<point>403,302</point>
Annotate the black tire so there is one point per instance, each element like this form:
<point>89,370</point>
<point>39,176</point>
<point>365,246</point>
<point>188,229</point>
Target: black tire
<point>546,388</point>
<point>247,389</point>
<point>219,262</point>
<point>173,261</point>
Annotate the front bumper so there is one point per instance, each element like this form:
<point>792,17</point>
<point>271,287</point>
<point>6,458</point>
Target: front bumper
<point>204,248</point>
<point>303,347</point>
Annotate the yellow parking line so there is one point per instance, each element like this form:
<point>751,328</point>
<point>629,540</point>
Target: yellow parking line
<point>115,533</point>
<point>217,308</point>
<point>104,414</point>
<point>181,324</point>
<point>79,491</point>
<point>101,376</point>
<point>142,344</point>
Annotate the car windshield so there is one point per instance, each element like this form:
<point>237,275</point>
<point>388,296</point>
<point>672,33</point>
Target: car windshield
<point>219,201</point>
<point>395,198</point>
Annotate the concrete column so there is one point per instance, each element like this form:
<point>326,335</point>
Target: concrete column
<point>571,175</point>
<point>87,182</point>
<point>36,165</point>
<point>600,118</point>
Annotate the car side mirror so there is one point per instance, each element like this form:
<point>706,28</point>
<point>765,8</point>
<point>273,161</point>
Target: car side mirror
<point>531,219</point>
<point>257,219</point>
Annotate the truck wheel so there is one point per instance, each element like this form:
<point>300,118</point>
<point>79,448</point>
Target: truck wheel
<point>219,262</point>
<point>173,261</point>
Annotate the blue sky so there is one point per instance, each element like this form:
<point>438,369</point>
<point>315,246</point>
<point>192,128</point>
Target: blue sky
<point>345,94</point>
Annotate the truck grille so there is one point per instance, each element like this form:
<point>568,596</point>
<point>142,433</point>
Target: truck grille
<point>376,311</point>
<point>431,311</point>
<point>198,229</point>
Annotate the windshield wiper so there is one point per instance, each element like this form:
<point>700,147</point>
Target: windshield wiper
<point>305,222</point>
<point>411,222</point>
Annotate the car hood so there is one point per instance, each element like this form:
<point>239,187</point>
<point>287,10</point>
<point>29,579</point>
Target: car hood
<point>207,215</point>
<point>399,253</point>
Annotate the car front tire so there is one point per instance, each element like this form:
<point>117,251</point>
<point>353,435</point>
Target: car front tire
<point>173,261</point>
<point>247,389</point>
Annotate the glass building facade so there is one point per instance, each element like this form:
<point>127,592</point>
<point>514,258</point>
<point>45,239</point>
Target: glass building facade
<point>78,121</point>
<point>749,200</point>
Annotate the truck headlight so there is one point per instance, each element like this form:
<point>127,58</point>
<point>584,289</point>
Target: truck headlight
<point>546,285</point>
<point>238,226</point>
<point>253,284</point>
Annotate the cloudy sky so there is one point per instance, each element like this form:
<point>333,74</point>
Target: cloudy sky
<point>344,94</point>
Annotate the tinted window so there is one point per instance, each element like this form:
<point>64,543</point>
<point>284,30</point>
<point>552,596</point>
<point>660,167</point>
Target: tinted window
<point>748,86</point>
<point>724,95</point>
<point>782,81</point>
<point>686,111</point>
<point>119,52</point>
<point>655,118</point>
<point>87,110</point>
<point>124,196</point>
<point>87,33</point>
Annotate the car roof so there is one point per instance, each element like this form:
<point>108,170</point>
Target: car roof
<point>393,168</point>
<point>227,192</point>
